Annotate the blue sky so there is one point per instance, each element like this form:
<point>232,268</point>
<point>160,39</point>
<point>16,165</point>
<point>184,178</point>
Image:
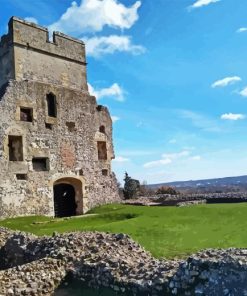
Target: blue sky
<point>173,74</point>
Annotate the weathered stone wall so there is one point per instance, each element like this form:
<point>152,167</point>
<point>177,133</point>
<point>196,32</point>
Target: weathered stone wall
<point>66,141</point>
<point>71,154</point>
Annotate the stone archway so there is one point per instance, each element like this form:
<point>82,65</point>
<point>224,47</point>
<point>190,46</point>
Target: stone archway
<point>68,197</point>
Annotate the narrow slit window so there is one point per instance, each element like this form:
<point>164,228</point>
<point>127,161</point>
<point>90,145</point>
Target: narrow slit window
<point>40,164</point>
<point>51,105</point>
<point>26,114</point>
<point>15,148</point>
<point>102,151</point>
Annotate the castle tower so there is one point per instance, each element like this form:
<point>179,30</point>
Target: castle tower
<point>55,141</point>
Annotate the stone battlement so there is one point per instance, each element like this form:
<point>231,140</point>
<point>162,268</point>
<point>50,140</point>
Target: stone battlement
<point>26,52</point>
<point>35,37</point>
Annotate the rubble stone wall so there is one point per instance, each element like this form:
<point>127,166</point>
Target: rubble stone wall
<point>114,261</point>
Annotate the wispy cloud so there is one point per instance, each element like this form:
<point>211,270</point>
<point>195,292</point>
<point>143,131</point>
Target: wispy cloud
<point>93,15</point>
<point>241,30</point>
<point>232,116</point>
<point>98,46</point>
<point>201,121</point>
<point>176,155</point>
<point>243,92</point>
<point>226,81</point>
<point>168,158</point>
<point>200,3</point>
<point>114,91</point>
<point>157,163</point>
<point>196,157</point>
<point>121,159</point>
<point>115,118</point>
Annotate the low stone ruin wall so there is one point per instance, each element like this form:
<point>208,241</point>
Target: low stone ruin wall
<point>36,266</point>
<point>174,200</point>
<point>191,203</point>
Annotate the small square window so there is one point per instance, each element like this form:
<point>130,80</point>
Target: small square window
<point>40,164</point>
<point>48,126</point>
<point>71,126</point>
<point>26,114</point>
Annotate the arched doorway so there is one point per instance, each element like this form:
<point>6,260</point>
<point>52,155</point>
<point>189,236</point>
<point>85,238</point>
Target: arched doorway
<point>64,200</point>
<point>68,196</point>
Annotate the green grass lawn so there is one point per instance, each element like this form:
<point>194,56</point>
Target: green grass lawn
<point>164,231</point>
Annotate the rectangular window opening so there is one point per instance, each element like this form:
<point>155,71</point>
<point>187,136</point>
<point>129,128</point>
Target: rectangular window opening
<point>26,114</point>
<point>51,105</point>
<point>105,172</point>
<point>40,164</point>
<point>22,177</point>
<point>15,148</point>
<point>102,151</point>
<point>71,126</point>
<point>48,126</point>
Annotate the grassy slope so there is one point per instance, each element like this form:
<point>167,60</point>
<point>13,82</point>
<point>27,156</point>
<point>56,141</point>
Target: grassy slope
<point>165,231</point>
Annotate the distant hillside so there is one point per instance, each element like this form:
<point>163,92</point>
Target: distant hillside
<point>239,182</point>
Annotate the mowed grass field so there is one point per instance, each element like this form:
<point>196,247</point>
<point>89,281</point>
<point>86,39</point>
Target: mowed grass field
<point>164,231</point>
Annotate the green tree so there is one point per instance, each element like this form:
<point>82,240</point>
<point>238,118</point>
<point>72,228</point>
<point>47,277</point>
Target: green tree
<point>131,187</point>
<point>166,190</point>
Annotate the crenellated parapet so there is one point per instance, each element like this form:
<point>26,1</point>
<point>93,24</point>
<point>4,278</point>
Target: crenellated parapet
<point>26,52</point>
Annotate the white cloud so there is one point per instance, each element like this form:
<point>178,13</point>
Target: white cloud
<point>231,116</point>
<point>196,157</point>
<point>121,159</point>
<point>94,15</point>
<point>114,91</point>
<point>156,163</point>
<point>226,81</point>
<point>200,3</point>
<point>243,92</point>
<point>241,30</point>
<point>201,121</point>
<point>167,158</point>
<point>98,46</point>
<point>176,155</point>
<point>31,20</point>
<point>114,118</point>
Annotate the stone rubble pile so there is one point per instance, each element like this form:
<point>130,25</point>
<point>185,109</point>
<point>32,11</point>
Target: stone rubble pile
<point>31,265</point>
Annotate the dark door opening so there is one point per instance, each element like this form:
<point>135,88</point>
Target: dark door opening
<point>64,200</point>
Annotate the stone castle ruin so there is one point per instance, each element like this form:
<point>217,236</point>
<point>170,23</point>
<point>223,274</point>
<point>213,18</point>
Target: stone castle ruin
<point>55,141</point>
